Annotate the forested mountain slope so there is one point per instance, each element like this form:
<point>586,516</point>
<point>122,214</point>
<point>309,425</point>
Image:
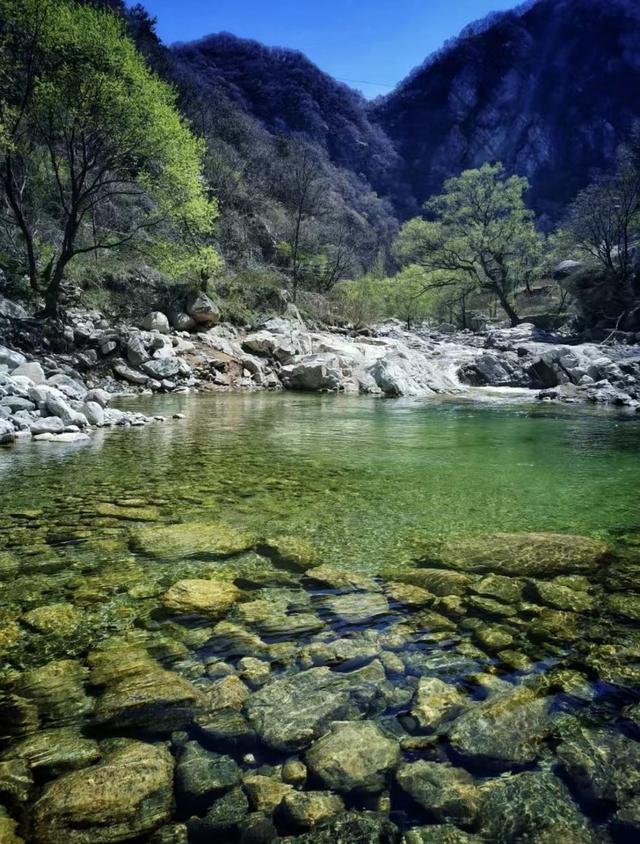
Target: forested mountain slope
<point>550,89</point>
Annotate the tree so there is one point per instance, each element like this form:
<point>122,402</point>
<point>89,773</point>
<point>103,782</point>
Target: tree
<point>478,234</point>
<point>303,188</point>
<point>604,221</point>
<point>93,152</point>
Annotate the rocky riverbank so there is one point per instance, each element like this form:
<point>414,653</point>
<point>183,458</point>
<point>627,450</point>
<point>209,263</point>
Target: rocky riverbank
<point>56,379</point>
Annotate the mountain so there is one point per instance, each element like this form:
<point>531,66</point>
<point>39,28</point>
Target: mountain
<point>288,94</point>
<point>550,89</point>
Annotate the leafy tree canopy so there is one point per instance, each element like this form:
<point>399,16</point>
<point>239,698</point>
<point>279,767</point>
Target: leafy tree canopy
<point>93,152</point>
<point>477,232</point>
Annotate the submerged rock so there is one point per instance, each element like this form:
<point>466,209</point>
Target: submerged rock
<point>351,828</point>
<point>55,750</point>
<point>440,834</point>
<point>359,607</point>
<point>150,698</point>
<point>445,792</point>
<point>436,702</point>
<point>291,551</point>
<point>306,809</point>
<point>57,690</point>
<point>520,554</point>
<point>8,827</point>
<point>437,581</point>
<point>212,598</point>
<point>202,775</point>
<point>532,807</point>
<point>129,794</point>
<point>222,821</point>
<point>353,757</point>
<point>506,730</point>
<point>190,539</point>
<point>54,619</point>
<point>265,793</point>
<point>602,765</point>
<point>289,712</point>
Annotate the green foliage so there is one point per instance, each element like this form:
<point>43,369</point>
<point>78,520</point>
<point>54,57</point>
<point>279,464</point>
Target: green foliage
<point>95,139</point>
<point>479,235</point>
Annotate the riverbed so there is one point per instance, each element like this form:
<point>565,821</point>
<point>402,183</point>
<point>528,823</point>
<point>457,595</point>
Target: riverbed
<point>349,541</point>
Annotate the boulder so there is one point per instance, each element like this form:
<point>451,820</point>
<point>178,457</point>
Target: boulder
<point>505,731</point>
<point>290,712</point>
<point>212,598</point>
<point>436,702</point>
<point>101,397</point>
<point>127,374</point>
<point>306,809</point>
<point>168,367</point>
<point>127,795</point>
<point>353,757</point>
<point>313,373</point>
<point>12,310</point>
<point>203,310</point>
<point>447,793</point>
<point>182,321</point>
<point>70,387</point>
<point>93,412</point>
<point>201,776</point>
<point>534,806</point>
<point>48,425</point>
<point>223,820</point>
<point>54,619</point>
<point>156,321</point>
<point>7,432</point>
<point>10,358</point>
<point>137,353</point>
<point>31,370</point>
<point>292,552</point>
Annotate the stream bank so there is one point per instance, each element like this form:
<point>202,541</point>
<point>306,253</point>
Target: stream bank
<point>57,380</point>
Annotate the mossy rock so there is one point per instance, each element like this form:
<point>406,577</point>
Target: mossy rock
<point>292,552</point>
<point>190,539</point>
<point>54,619</point>
<point>518,554</point>
<point>211,598</point>
<point>127,514</point>
<point>54,751</point>
<point>126,796</point>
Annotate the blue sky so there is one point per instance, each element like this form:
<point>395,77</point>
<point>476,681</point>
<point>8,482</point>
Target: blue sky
<point>358,41</point>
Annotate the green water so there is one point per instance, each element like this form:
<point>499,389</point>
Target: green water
<point>543,664</point>
<point>359,477</point>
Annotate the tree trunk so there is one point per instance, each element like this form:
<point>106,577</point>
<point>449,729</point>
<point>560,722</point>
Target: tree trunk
<point>52,293</point>
<point>514,319</point>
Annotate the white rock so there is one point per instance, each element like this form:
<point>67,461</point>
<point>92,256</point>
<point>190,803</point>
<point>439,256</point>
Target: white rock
<point>93,412</point>
<point>48,425</point>
<point>32,370</point>
<point>156,321</point>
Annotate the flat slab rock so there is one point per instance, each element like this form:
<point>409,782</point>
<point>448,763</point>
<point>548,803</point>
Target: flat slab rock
<point>290,712</point>
<point>518,554</point>
<point>190,539</point>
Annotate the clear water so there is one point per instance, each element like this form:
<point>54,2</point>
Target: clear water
<point>359,477</point>
<point>360,480</point>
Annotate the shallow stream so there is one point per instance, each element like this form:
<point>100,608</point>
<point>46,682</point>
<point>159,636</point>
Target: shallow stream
<point>348,537</point>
